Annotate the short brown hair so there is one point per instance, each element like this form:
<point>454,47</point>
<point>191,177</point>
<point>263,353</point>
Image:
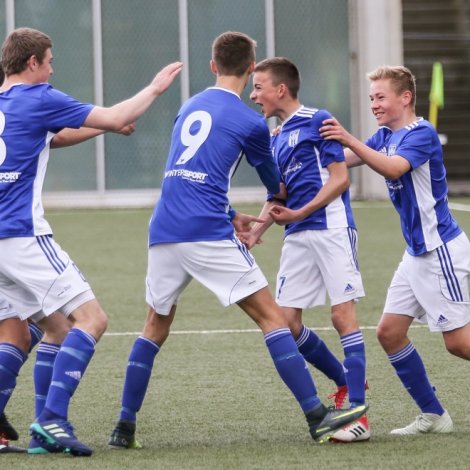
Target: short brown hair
<point>402,79</point>
<point>20,45</point>
<point>282,70</point>
<point>233,53</point>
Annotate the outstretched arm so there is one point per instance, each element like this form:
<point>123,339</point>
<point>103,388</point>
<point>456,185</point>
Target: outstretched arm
<point>391,167</point>
<point>352,159</point>
<point>67,137</point>
<point>116,117</point>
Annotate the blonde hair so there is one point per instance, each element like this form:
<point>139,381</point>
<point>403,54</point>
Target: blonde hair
<point>401,78</point>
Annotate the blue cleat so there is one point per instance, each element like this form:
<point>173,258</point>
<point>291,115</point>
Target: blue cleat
<point>38,448</point>
<point>58,436</point>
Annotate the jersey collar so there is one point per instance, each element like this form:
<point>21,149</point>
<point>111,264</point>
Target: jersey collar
<point>223,89</point>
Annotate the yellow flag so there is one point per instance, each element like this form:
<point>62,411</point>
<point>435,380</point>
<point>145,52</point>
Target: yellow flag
<point>436,95</point>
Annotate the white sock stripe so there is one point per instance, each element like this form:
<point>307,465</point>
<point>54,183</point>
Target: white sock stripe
<point>274,333</point>
<point>353,339</point>
<point>406,351</point>
<point>303,336</point>
<point>48,348</point>
<point>6,348</point>
<point>87,335</point>
<point>155,345</point>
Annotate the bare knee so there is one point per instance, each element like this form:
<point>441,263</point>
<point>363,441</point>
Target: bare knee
<point>55,327</point>
<point>294,320</point>
<point>91,318</point>
<point>157,327</point>
<point>16,332</point>
<point>458,342</point>
<point>462,351</point>
<point>384,334</point>
<point>264,311</point>
<point>391,339</point>
<point>343,317</point>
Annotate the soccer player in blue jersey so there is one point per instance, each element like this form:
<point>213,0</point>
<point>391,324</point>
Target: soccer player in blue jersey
<point>319,254</point>
<point>191,236</point>
<point>36,276</point>
<point>48,332</point>
<point>55,326</point>
<point>431,281</point>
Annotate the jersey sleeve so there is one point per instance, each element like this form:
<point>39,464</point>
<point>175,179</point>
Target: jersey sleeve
<point>375,140</point>
<point>61,110</point>
<point>257,146</point>
<point>416,146</point>
<point>330,150</point>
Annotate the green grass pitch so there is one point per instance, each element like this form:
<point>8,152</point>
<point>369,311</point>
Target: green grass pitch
<point>215,400</point>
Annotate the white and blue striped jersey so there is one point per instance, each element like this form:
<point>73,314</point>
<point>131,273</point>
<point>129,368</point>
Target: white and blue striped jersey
<point>30,116</point>
<point>420,195</point>
<point>212,131</point>
<point>303,156</point>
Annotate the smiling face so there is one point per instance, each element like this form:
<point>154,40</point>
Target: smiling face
<point>391,109</point>
<point>265,94</point>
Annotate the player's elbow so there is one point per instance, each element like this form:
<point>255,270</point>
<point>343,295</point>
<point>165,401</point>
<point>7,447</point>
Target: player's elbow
<point>115,123</point>
<point>106,119</point>
<point>392,174</point>
<point>344,182</point>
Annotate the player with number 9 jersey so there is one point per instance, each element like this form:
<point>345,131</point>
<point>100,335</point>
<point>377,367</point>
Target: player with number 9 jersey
<point>212,131</point>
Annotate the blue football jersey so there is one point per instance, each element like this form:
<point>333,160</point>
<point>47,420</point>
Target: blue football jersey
<point>30,116</point>
<point>303,156</point>
<point>420,195</point>
<point>212,131</point>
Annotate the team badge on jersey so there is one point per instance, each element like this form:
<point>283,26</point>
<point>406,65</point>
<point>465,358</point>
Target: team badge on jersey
<point>294,138</point>
<point>392,149</point>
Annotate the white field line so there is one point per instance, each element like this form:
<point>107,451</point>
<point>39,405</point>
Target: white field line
<point>385,204</point>
<point>235,331</point>
<point>455,206</point>
<point>357,205</point>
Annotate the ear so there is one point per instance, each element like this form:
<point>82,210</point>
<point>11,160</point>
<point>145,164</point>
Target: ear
<point>282,90</point>
<point>213,67</point>
<point>32,62</point>
<point>407,97</point>
<point>251,68</point>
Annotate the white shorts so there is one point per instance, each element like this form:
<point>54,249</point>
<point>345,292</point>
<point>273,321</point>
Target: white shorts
<point>314,262</point>
<point>6,310</point>
<point>37,277</point>
<point>225,267</point>
<point>433,287</point>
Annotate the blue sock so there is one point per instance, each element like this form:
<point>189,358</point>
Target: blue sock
<point>69,366</point>
<point>355,367</point>
<point>42,373</point>
<point>410,369</point>
<point>139,370</point>
<point>315,351</point>
<point>11,360</point>
<point>36,335</point>
<point>292,368</point>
